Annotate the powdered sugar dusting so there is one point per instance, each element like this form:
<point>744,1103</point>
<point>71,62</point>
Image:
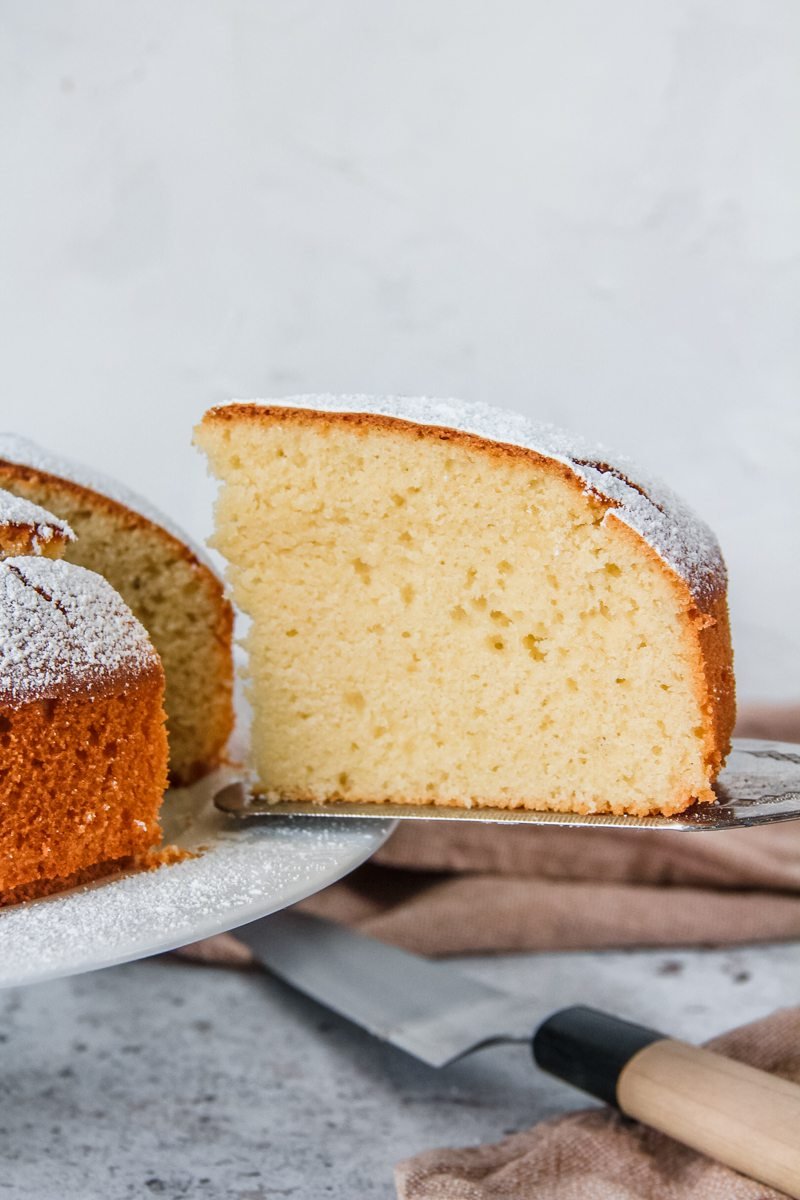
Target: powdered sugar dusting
<point>16,511</point>
<point>22,451</point>
<point>649,507</point>
<point>63,629</point>
<point>243,872</point>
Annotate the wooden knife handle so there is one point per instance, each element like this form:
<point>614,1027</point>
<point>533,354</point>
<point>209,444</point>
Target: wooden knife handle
<point>742,1117</point>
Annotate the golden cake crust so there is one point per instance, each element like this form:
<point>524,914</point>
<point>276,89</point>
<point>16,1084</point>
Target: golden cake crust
<point>700,588</point>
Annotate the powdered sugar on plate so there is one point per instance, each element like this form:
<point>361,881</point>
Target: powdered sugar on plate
<point>63,629</point>
<point>243,872</point>
<point>649,507</point>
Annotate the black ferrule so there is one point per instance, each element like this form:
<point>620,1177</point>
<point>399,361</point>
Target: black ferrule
<point>589,1049</point>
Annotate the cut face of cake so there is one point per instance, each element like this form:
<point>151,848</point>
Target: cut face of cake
<point>84,749</point>
<point>25,528</point>
<point>165,580</point>
<point>452,606</point>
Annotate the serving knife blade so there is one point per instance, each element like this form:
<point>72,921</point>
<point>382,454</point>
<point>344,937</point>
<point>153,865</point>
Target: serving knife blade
<point>420,1006</point>
<point>743,1117</point>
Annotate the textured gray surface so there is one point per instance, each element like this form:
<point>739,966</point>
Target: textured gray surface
<point>165,1079</point>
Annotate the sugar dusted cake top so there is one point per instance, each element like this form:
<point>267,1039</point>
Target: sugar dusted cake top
<point>63,629</point>
<point>646,505</point>
<point>17,512</point>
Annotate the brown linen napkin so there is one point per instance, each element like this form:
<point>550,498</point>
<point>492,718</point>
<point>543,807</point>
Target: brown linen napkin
<point>456,888</point>
<point>597,1154</point>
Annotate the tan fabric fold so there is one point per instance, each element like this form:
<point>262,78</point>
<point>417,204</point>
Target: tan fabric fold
<point>776,722</point>
<point>598,1155</point>
<point>766,857</point>
<point>481,914</point>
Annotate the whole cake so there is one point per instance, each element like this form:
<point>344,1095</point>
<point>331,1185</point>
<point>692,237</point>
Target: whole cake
<point>84,748</point>
<point>165,580</point>
<point>451,605</point>
<point>25,528</point>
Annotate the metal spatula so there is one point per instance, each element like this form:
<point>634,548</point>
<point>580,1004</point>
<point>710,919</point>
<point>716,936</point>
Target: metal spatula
<point>741,1116</point>
<point>759,784</point>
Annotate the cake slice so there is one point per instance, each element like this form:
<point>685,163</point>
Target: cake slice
<point>451,605</point>
<point>167,582</point>
<point>84,749</point>
<point>26,528</point>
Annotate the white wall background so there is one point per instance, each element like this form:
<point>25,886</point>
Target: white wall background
<point>586,211</point>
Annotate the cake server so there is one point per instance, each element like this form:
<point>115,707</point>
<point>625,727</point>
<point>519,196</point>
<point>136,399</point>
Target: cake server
<point>759,784</point>
<point>742,1117</point>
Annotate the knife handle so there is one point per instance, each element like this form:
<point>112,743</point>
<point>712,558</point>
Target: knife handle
<point>742,1117</point>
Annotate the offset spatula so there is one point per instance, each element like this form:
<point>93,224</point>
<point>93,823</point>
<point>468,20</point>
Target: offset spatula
<point>742,1117</point>
<point>759,784</point>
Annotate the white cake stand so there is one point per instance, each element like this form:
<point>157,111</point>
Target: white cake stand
<point>241,872</point>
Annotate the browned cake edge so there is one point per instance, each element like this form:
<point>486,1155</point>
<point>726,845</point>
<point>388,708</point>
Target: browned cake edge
<point>18,539</point>
<point>144,689</point>
<point>151,860</point>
